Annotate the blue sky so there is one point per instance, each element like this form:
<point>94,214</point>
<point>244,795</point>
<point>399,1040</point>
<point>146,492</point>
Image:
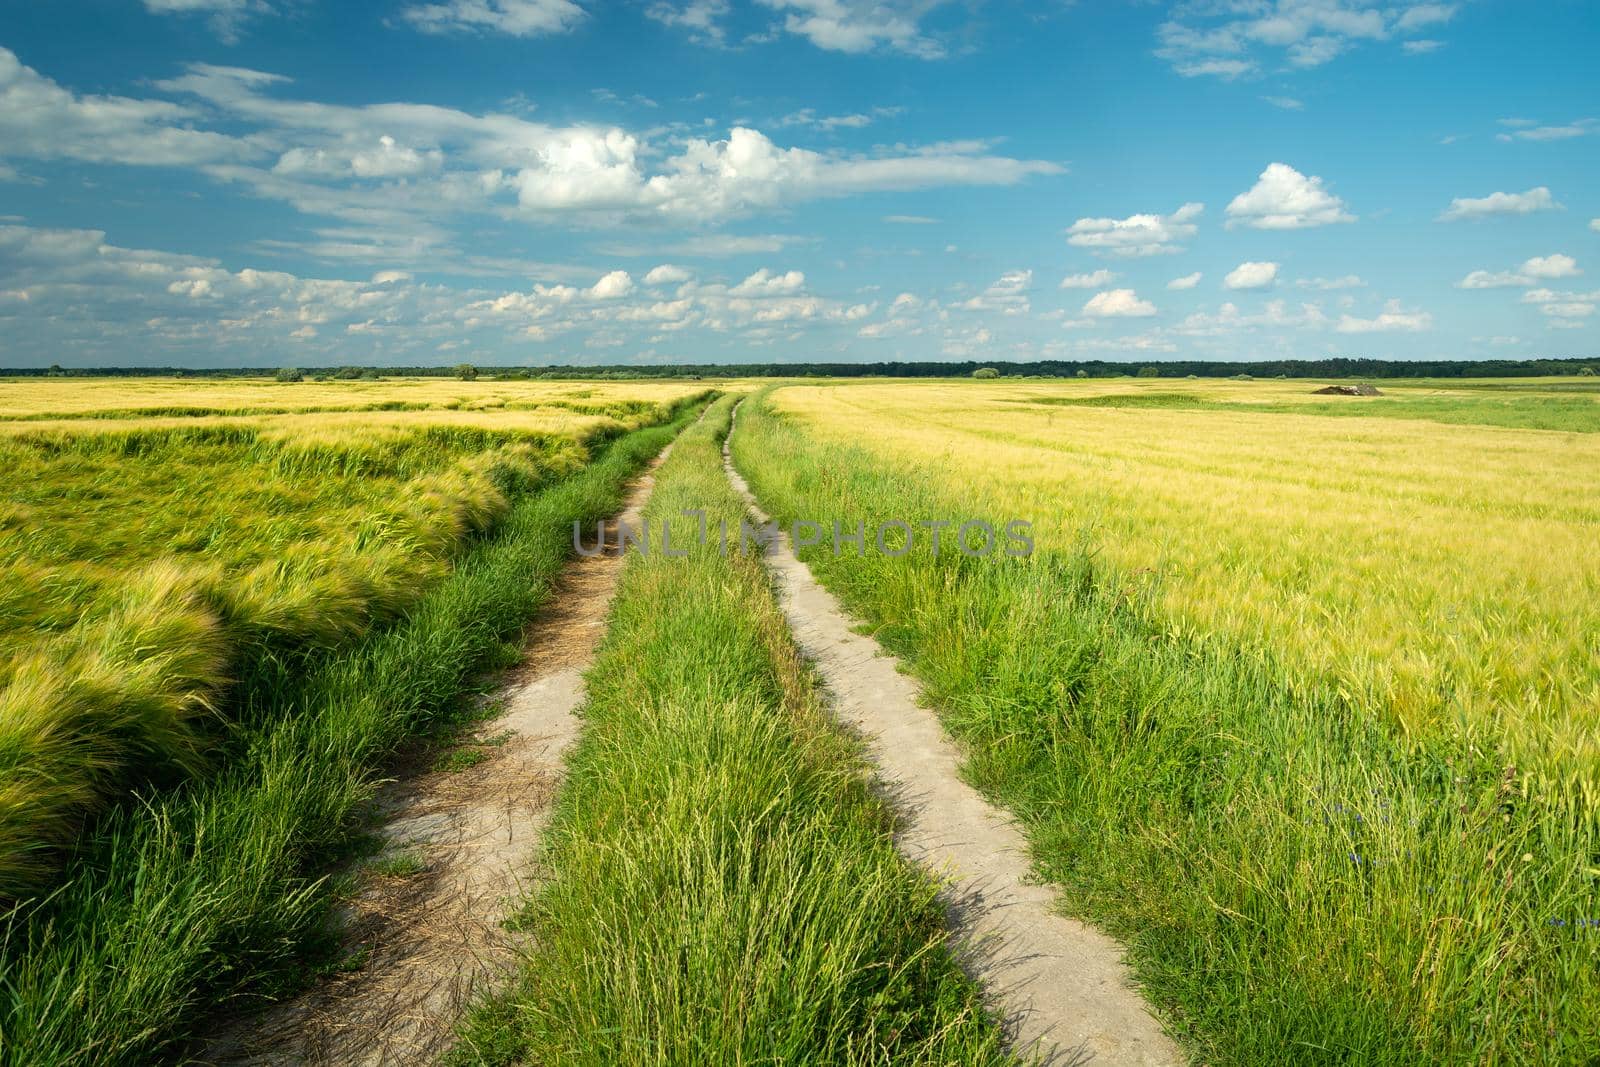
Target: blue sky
<point>303,182</point>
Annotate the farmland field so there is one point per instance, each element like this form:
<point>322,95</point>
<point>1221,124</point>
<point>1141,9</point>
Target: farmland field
<point>1299,693</point>
<point>256,607</point>
<point>141,557</point>
<point>1298,697</point>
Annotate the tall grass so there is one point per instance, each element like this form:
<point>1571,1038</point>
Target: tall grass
<point>199,894</point>
<point>1296,882</point>
<point>722,885</point>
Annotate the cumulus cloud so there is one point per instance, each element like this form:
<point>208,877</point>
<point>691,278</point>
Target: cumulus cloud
<point>41,120</point>
<point>1535,199</point>
<point>1008,295</point>
<point>515,18</point>
<point>767,283</point>
<point>615,284</point>
<point>1532,272</point>
<point>1092,280</point>
<point>1392,319</point>
<point>74,294</point>
<point>1188,281</point>
<point>1137,235</point>
<point>701,19</point>
<point>1233,40</point>
<point>1228,319</point>
<point>1118,303</point>
<point>1563,309</point>
<point>1251,275</point>
<point>1285,199</point>
<point>666,274</point>
<point>405,167</point>
<point>860,26</point>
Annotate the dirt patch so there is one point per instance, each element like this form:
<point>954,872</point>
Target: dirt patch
<point>1060,985</point>
<point>425,932</point>
<point>1348,390</point>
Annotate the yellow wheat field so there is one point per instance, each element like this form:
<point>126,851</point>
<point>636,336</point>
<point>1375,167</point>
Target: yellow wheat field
<point>1446,573</point>
<point>73,398</point>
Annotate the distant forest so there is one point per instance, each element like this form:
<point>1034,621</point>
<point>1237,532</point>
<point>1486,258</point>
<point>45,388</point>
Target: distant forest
<point>1049,368</point>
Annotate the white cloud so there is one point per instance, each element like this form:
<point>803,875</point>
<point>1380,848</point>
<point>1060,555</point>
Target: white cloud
<point>1563,309</point>
<point>1348,281</point>
<point>1118,303</point>
<point>407,168</point>
<point>1188,281</point>
<point>1393,319</point>
<point>666,274</point>
<point>515,18</point>
<point>1421,47</point>
<point>1554,266</point>
<point>911,220</point>
<point>1528,130</point>
<point>853,121</point>
<point>1535,199</point>
<point>767,283</point>
<point>616,284</point>
<point>41,120</point>
<point>1594,224</point>
<point>1092,280</point>
<point>1008,295</point>
<point>1285,199</point>
<point>860,26</point>
<point>1237,38</point>
<point>226,16</point>
<point>1532,271</point>
<point>701,18</point>
<point>1229,320</point>
<point>1137,235</point>
<point>1287,103</point>
<point>1251,275</point>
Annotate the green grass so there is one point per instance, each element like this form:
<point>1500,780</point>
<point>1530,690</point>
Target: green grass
<point>1504,408</point>
<point>144,571</point>
<point>198,895</point>
<point>722,884</point>
<point>398,865</point>
<point>1295,882</point>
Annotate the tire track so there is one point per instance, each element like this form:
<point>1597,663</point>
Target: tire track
<point>1060,986</point>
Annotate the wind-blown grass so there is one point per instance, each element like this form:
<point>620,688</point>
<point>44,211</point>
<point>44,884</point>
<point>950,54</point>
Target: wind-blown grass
<point>1442,575</point>
<point>1296,881</point>
<point>199,894</point>
<point>144,569</point>
<point>722,885</point>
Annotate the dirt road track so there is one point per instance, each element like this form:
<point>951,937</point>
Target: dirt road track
<point>1060,985</point>
<point>433,938</point>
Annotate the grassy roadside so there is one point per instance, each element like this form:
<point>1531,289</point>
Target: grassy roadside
<point>722,885</point>
<point>182,902</point>
<point>1295,884</point>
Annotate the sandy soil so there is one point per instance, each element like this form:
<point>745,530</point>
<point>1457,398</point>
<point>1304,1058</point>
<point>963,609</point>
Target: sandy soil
<point>1060,985</point>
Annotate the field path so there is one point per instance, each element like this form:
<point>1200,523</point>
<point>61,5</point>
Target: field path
<point>433,939</point>
<point>1060,985</point>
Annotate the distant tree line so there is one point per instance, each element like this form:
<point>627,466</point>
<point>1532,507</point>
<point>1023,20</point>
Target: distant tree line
<point>1048,368</point>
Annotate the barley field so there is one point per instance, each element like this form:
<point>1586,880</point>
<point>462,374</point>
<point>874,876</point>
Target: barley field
<point>1430,551</point>
<point>158,537</point>
<point>1297,694</point>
